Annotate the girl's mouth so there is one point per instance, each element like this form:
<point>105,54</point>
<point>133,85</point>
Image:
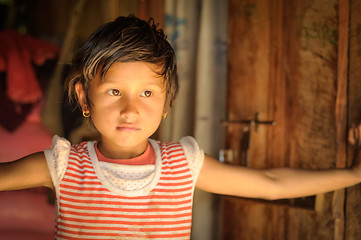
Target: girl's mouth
<point>128,128</point>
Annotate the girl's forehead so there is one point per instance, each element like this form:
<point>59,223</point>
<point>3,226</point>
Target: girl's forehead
<point>137,72</point>
<point>135,68</point>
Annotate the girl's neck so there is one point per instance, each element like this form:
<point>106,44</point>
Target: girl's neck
<point>147,158</point>
<point>121,152</point>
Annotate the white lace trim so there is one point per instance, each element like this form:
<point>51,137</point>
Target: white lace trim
<point>127,177</point>
<point>137,179</point>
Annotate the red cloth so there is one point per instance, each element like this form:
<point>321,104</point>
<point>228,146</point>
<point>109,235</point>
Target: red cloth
<point>17,53</point>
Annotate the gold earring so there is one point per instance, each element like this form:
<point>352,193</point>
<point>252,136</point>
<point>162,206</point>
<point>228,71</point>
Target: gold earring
<point>165,115</point>
<point>85,112</point>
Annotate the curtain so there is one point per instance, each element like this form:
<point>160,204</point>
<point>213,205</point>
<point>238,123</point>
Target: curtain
<point>197,29</point>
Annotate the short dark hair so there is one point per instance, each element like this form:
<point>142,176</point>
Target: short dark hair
<point>126,39</point>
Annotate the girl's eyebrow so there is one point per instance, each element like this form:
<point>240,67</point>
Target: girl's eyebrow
<point>146,83</point>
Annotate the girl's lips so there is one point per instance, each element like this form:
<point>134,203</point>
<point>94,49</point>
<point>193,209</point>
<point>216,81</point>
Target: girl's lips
<point>127,128</point>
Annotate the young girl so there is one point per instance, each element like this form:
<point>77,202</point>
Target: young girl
<point>127,186</point>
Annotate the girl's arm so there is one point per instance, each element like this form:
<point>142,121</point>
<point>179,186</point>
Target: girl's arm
<point>27,172</point>
<point>274,183</point>
<point>277,183</point>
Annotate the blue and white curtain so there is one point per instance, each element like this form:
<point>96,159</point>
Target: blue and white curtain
<point>197,29</point>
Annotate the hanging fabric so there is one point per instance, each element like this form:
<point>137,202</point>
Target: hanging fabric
<point>198,31</point>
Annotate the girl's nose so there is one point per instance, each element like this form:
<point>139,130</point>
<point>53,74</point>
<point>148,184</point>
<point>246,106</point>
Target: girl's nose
<point>129,110</point>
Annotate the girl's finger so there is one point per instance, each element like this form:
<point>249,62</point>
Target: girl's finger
<point>354,136</point>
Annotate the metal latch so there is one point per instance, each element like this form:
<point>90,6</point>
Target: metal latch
<point>253,122</point>
<point>244,142</point>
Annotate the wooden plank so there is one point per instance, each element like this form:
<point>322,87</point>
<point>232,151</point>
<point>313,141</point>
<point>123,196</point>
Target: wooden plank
<point>248,70</point>
<point>341,114</point>
<point>249,60</point>
<point>353,203</point>
<point>342,76</point>
<point>310,75</point>
<point>256,220</point>
<point>276,135</point>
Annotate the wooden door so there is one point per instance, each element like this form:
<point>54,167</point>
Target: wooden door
<point>288,63</point>
<point>353,194</point>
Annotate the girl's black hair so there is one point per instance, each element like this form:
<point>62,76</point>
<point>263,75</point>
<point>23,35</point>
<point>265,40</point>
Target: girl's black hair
<point>126,39</point>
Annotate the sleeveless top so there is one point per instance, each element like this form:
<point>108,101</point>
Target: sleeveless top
<point>93,204</point>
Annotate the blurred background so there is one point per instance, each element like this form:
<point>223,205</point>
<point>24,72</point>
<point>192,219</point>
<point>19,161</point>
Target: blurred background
<point>37,41</point>
<point>262,84</point>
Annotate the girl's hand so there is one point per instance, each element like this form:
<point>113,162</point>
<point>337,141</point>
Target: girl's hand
<point>354,137</point>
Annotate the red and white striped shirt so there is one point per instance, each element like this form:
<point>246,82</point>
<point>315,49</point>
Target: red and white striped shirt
<point>92,205</point>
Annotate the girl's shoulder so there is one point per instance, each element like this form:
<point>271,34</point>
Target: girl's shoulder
<point>60,148</point>
<point>184,140</point>
<point>57,156</point>
<point>62,145</point>
<point>189,146</point>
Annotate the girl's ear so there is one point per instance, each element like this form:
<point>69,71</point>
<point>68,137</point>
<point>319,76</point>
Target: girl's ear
<point>81,95</point>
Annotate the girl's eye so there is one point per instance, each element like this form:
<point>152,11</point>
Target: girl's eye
<point>114,92</point>
<point>147,93</point>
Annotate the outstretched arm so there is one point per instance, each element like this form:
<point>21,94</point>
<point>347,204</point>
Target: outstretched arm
<point>30,171</point>
<point>276,183</point>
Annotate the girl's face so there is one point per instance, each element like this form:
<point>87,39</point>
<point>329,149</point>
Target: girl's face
<point>127,107</point>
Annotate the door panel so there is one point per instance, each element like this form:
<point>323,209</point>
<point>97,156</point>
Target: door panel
<point>353,196</point>
<point>283,66</point>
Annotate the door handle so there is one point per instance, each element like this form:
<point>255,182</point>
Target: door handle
<point>246,135</point>
<point>254,122</point>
